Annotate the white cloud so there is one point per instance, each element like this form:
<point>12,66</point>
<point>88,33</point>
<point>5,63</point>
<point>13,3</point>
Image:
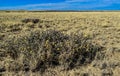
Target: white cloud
<point>79,0</point>
<point>39,6</point>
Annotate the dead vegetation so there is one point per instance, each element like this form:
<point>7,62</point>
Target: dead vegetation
<point>59,44</point>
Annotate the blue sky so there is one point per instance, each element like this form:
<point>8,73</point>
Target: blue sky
<point>60,4</point>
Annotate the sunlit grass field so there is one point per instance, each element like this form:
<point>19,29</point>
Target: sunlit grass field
<point>59,43</point>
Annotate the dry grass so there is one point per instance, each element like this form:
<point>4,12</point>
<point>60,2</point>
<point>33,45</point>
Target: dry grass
<point>59,43</point>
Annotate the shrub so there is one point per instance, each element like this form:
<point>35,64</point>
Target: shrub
<point>30,20</point>
<point>2,28</point>
<point>48,49</point>
<point>14,27</point>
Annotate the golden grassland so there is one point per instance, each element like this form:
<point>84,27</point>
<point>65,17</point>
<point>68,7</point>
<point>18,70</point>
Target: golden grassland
<point>59,43</point>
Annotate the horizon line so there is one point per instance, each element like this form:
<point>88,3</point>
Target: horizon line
<point>11,10</point>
